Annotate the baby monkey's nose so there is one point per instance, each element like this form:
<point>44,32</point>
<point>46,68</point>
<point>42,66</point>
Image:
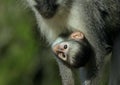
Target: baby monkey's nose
<point>60,51</point>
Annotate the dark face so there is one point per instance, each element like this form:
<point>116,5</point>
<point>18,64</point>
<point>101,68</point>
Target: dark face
<point>75,51</point>
<point>47,8</point>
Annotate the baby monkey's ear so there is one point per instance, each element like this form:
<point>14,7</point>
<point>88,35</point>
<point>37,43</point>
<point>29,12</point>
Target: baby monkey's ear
<point>77,36</point>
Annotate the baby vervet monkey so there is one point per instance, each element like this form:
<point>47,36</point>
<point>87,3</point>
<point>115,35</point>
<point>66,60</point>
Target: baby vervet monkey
<point>73,49</point>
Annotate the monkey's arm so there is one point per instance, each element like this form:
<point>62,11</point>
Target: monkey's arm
<point>69,76</point>
<point>66,74</point>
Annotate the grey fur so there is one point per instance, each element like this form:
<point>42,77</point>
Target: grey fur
<point>97,19</point>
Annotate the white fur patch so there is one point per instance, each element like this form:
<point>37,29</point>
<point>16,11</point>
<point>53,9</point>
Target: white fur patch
<point>76,19</point>
<point>74,48</point>
<point>58,40</point>
<point>31,2</point>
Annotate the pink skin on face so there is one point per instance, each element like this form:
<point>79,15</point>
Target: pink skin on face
<point>61,50</point>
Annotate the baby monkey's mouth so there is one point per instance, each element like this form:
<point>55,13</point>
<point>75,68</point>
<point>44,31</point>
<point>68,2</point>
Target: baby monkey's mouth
<point>62,56</point>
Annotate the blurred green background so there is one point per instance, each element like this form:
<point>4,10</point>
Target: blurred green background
<point>24,53</point>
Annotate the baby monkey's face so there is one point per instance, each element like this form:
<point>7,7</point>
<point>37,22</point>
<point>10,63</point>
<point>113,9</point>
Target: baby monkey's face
<point>74,50</point>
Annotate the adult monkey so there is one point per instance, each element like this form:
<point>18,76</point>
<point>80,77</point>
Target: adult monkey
<point>99,20</point>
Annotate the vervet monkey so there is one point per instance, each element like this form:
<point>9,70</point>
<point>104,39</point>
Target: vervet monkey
<point>99,20</point>
<point>73,50</point>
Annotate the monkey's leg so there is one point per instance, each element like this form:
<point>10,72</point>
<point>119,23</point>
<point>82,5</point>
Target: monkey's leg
<point>115,63</point>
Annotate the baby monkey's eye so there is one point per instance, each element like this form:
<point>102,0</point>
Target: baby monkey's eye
<point>65,46</point>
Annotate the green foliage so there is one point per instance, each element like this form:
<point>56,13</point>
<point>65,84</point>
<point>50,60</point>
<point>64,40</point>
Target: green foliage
<point>17,44</point>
